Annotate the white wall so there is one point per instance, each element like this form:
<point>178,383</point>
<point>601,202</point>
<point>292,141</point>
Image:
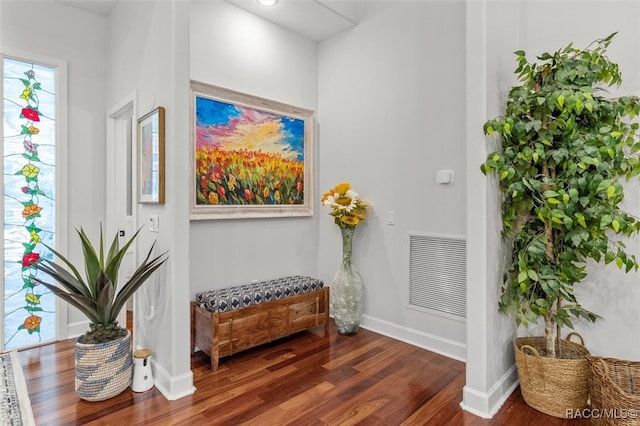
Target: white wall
<point>149,55</point>
<point>239,51</point>
<point>79,38</point>
<point>498,28</point>
<point>391,113</point>
<point>490,369</point>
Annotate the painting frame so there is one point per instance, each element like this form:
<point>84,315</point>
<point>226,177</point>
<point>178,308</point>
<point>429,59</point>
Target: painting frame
<point>242,118</point>
<point>150,154</point>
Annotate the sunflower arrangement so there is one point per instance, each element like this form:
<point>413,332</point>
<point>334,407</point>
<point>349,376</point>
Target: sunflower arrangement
<point>347,207</point>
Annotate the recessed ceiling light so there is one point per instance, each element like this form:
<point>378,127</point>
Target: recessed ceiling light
<point>268,2</point>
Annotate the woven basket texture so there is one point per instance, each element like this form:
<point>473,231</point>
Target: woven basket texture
<point>614,385</point>
<point>553,385</point>
<point>103,370</point>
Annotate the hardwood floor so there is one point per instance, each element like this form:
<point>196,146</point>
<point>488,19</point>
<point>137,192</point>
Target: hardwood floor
<point>311,378</point>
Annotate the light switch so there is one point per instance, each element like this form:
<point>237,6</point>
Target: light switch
<point>154,223</point>
<point>444,176</point>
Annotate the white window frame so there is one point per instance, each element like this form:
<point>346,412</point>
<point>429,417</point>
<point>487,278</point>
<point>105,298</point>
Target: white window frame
<point>62,199</point>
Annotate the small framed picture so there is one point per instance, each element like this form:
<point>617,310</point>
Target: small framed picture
<point>151,157</point>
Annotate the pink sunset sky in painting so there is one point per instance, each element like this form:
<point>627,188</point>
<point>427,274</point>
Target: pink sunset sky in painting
<point>232,128</point>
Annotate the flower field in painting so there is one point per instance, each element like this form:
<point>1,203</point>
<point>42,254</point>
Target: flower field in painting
<point>247,177</point>
<point>247,157</point>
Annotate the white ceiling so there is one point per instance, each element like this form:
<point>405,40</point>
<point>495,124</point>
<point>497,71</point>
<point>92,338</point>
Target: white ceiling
<point>99,7</point>
<point>313,19</point>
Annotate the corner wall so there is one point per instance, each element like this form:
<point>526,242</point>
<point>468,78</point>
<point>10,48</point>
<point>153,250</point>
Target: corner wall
<point>607,291</point>
<point>149,55</point>
<point>391,114</point>
<point>53,30</point>
<point>495,29</point>
<point>236,50</point>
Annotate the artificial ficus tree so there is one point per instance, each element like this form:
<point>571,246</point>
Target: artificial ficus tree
<point>564,147</point>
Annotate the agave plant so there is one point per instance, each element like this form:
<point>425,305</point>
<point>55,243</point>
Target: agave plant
<point>95,296</point>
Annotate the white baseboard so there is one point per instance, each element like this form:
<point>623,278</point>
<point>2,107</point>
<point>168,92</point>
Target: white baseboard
<point>487,404</point>
<point>430,342</point>
<point>76,329</point>
<point>172,387</point>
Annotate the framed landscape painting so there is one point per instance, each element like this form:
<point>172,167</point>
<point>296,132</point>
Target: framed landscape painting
<point>252,157</point>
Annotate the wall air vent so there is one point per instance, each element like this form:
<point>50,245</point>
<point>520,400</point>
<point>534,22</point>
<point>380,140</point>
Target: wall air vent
<point>438,273</point>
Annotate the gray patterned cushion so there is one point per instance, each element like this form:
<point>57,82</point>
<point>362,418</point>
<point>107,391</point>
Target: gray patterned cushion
<point>229,299</point>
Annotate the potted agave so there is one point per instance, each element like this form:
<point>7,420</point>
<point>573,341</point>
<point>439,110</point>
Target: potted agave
<point>564,145</point>
<point>103,357</point>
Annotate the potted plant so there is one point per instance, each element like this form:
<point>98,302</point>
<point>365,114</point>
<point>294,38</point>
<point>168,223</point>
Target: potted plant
<point>564,145</point>
<point>103,354</point>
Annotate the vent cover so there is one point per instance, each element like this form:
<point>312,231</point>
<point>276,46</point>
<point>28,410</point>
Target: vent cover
<point>438,273</point>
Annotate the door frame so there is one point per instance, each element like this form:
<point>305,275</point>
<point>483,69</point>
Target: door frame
<point>117,125</point>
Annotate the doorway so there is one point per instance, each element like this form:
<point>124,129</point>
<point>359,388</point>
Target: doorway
<point>121,184</point>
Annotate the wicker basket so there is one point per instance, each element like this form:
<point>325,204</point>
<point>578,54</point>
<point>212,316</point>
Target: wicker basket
<point>555,386</point>
<point>103,370</point>
<point>614,385</point>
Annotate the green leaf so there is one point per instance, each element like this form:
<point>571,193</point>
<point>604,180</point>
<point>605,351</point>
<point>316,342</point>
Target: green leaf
<point>630,265</point>
<point>609,256</point>
<point>616,225</point>
<point>568,222</point>
<point>578,106</point>
<point>532,274</point>
<point>542,303</point>
<point>589,107</point>
<point>586,159</point>
<point>522,276</point>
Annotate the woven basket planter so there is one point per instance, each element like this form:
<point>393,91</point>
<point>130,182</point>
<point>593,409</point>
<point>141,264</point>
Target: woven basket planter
<point>103,370</point>
<point>553,385</point>
<point>614,385</point>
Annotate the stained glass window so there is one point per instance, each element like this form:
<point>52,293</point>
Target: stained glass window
<point>29,135</point>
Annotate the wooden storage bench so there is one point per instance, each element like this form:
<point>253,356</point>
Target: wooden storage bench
<point>227,321</point>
